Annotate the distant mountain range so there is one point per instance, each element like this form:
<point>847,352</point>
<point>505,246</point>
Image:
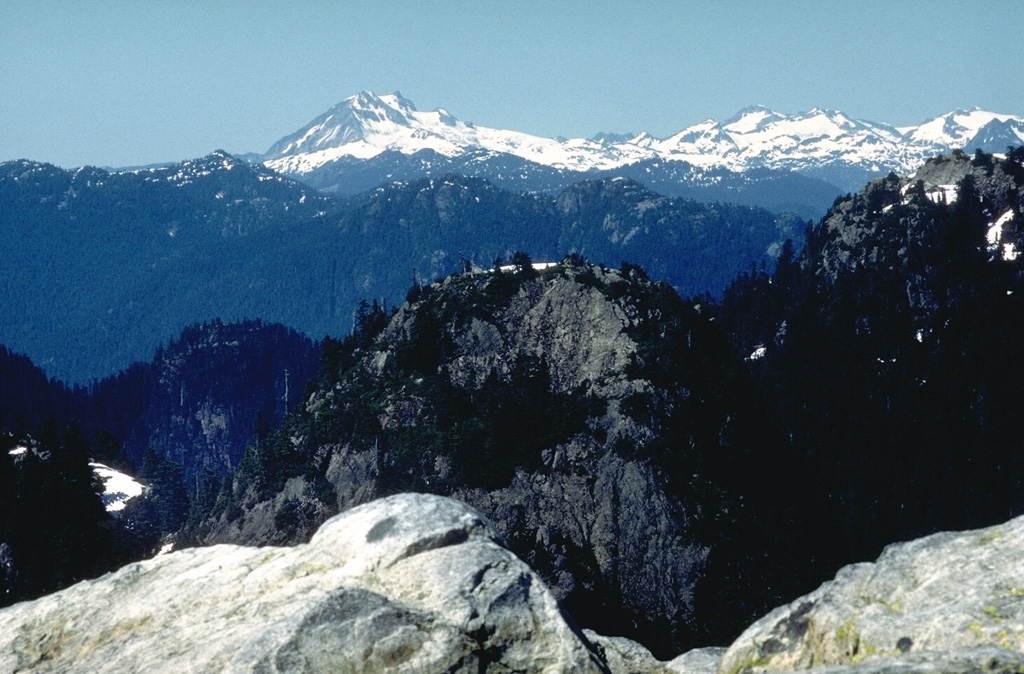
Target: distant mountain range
<point>98,268</point>
<point>368,138</point>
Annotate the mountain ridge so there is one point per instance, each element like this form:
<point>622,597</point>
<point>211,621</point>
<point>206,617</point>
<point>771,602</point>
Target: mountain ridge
<point>365,125</point>
<point>146,252</point>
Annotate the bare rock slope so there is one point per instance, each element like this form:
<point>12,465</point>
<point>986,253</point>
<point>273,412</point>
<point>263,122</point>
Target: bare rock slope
<point>950,602</point>
<point>411,583</point>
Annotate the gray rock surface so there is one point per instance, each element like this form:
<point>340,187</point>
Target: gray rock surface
<point>697,661</point>
<point>604,512</point>
<point>625,656</point>
<point>946,602</point>
<point>990,660</point>
<point>411,583</point>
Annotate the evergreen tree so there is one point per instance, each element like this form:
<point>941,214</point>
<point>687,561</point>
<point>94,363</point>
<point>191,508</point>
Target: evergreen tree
<point>167,490</point>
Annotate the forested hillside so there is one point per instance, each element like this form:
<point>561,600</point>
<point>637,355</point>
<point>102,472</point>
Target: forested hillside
<point>890,352</point>
<point>179,422</point>
<point>97,269</point>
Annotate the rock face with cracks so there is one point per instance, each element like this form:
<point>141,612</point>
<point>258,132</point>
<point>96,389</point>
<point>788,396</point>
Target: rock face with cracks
<point>950,602</point>
<point>411,583</point>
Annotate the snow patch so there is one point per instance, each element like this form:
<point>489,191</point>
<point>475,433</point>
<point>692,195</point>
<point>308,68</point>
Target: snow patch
<point>539,266</point>
<point>118,487</point>
<point>943,194</point>
<point>995,230</point>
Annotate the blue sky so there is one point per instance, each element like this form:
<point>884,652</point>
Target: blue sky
<point>115,83</point>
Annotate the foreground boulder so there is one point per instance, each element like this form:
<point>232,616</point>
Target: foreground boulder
<point>625,656</point>
<point>950,602</point>
<point>411,583</point>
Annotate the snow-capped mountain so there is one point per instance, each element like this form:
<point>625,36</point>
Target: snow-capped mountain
<point>823,144</point>
<point>365,125</point>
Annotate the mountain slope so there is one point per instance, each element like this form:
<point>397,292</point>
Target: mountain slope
<point>594,416</point>
<point>203,397</point>
<point>179,422</point>
<point>98,269</point>
<point>890,351</point>
<point>821,144</point>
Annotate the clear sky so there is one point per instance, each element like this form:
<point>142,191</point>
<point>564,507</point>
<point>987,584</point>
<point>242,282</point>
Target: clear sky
<point>127,82</point>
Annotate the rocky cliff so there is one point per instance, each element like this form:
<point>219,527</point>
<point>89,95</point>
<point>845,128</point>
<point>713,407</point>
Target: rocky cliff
<point>857,230</point>
<point>594,416</point>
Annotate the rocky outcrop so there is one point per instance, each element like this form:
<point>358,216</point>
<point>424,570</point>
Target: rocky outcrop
<point>411,583</point>
<point>950,602</point>
<point>627,656</point>
<point>904,209</point>
<point>596,419</point>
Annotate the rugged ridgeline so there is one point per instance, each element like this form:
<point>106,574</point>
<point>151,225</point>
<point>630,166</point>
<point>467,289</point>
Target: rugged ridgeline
<point>97,268</point>
<point>775,190</point>
<point>758,157</point>
<point>417,583</point>
<point>890,352</point>
<point>596,418</point>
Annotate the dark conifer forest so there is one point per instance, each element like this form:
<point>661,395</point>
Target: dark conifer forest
<point>180,423</point>
<point>892,356</point>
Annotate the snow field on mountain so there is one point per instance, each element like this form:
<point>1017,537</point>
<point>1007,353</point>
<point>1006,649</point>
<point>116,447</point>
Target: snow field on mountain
<point>366,125</point>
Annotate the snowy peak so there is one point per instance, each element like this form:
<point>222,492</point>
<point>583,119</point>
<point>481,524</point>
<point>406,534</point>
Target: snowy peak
<point>354,120</point>
<point>752,118</point>
<point>366,125</point>
<point>813,126</point>
<point>706,138</point>
<point>997,135</point>
<point>956,129</point>
<point>821,143</point>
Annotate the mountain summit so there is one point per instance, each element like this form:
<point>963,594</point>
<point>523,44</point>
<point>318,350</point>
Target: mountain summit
<point>823,144</point>
<point>366,125</point>
<point>363,125</point>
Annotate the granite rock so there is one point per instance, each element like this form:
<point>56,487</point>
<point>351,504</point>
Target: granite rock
<point>410,583</point>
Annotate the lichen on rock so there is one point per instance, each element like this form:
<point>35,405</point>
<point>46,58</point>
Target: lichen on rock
<point>948,594</point>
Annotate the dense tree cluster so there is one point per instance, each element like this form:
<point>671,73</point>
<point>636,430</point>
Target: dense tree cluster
<point>54,530</point>
<point>180,423</point>
<point>890,353</point>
